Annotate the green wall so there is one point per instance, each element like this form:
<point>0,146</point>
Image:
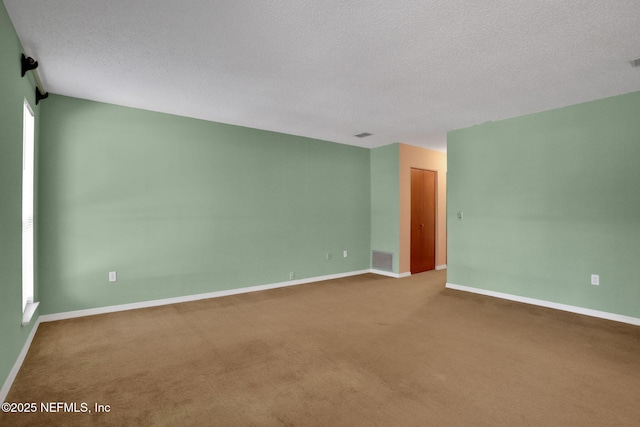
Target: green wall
<point>548,200</point>
<point>385,201</point>
<point>13,91</point>
<point>179,206</point>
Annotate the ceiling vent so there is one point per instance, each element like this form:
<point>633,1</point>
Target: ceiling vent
<point>365,134</point>
<point>635,63</point>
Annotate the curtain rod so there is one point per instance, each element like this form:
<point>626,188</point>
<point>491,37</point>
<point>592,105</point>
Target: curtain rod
<point>30,64</point>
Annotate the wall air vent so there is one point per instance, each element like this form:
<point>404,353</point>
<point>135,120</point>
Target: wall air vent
<point>635,63</point>
<point>363,135</point>
<point>382,260</point>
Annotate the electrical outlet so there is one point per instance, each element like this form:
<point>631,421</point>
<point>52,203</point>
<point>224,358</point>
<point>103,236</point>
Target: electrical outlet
<point>460,215</point>
<point>595,279</point>
<point>292,275</point>
<point>344,253</point>
<point>112,276</point>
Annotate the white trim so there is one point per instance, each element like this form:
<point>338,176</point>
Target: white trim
<point>549,304</point>
<point>188,298</point>
<point>389,273</point>
<point>29,311</point>
<point>401,275</point>
<point>4,391</point>
<point>28,210</point>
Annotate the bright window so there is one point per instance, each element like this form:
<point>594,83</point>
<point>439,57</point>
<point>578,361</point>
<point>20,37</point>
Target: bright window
<point>28,306</point>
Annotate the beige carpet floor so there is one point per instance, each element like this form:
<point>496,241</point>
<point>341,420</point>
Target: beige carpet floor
<point>360,351</point>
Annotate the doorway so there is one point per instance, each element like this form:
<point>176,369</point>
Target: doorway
<point>423,220</point>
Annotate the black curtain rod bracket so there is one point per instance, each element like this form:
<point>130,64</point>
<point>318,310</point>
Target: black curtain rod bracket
<point>30,64</point>
<point>40,96</point>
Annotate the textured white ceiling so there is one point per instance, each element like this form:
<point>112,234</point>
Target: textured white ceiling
<point>405,71</point>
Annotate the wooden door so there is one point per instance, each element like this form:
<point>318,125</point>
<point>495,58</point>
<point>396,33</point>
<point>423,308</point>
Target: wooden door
<point>423,220</point>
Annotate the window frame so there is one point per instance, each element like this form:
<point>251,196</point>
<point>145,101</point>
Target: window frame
<point>29,305</point>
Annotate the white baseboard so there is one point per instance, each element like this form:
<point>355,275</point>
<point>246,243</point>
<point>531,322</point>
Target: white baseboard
<point>549,304</point>
<point>389,273</point>
<point>4,391</point>
<point>188,298</point>
<point>401,275</point>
